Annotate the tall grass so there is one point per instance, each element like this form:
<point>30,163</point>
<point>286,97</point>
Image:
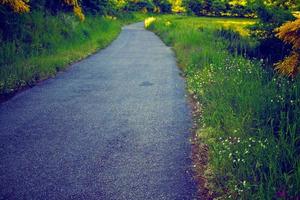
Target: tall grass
<point>250,116</point>
<point>43,44</point>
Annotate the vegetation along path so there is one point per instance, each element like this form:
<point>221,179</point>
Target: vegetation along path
<point>114,126</point>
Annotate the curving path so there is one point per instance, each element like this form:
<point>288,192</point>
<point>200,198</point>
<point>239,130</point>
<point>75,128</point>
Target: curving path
<point>114,126</point>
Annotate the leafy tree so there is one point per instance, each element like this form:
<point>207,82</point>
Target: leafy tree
<point>207,7</point>
<point>177,6</point>
<point>286,4</point>
<point>140,5</point>
<point>270,18</point>
<point>218,7</point>
<point>19,6</point>
<point>164,6</point>
<point>96,6</point>
<point>193,6</point>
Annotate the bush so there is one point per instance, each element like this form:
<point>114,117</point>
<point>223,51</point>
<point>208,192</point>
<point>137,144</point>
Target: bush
<point>141,5</point>
<point>271,48</point>
<point>194,7</point>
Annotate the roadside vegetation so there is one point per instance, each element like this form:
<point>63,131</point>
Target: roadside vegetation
<point>250,114</point>
<point>39,39</point>
<point>241,60</point>
<point>45,45</point>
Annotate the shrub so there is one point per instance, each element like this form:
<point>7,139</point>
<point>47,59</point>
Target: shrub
<point>290,33</point>
<point>271,48</point>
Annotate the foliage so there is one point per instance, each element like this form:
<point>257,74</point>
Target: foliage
<point>249,116</point>
<point>148,21</point>
<point>219,8</point>
<point>103,7</point>
<point>18,6</point>
<point>164,6</point>
<point>271,48</point>
<point>290,33</point>
<point>194,7</point>
<point>177,6</point>
<point>76,8</point>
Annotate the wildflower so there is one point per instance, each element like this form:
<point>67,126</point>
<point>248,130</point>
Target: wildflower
<point>168,23</point>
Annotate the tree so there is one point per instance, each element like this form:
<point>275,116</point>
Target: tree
<point>96,6</point>
<point>21,6</point>
<point>177,6</point>
<point>194,6</point>
<point>18,6</point>
<point>218,7</point>
<point>207,7</point>
<point>164,6</point>
<point>270,17</point>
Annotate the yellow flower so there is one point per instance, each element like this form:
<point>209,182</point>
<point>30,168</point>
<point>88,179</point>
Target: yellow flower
<point>76,8</point>
<point>19,6</point>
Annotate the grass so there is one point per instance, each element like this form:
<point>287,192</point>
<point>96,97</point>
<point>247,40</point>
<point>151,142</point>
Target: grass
<point>250,115</point>
<point>47,44</point>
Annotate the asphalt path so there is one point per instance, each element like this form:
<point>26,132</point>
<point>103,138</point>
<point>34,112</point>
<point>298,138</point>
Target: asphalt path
<point>113,126</point>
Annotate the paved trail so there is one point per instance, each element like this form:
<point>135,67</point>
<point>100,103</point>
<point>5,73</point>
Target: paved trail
<point>114,126</point>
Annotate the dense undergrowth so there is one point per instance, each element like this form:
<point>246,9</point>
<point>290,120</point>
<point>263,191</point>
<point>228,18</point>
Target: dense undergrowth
<point>250,115</point>
<point>42,44</point>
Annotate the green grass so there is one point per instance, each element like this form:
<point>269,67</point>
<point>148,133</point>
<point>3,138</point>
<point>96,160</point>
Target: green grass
<point>250,116</point>
<point>52,43</point>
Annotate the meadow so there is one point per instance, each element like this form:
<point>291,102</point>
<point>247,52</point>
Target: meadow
<point>249,114</point>
<point>46,44</point>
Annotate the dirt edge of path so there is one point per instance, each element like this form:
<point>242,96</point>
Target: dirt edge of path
<point>199,153</point>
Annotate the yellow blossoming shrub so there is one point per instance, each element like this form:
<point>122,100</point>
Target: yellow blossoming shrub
<point>19,6</point>
<point>149,21</point>
<point>76,8</point>
<point>290,34</point>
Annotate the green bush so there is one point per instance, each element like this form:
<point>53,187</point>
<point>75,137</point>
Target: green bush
<point>141,5</point>
<point>270,18</point>
<point>164,5</point>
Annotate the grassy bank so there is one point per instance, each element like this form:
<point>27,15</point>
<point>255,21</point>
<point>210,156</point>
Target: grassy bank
<point>249,115</point>
<point>45,44</point>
